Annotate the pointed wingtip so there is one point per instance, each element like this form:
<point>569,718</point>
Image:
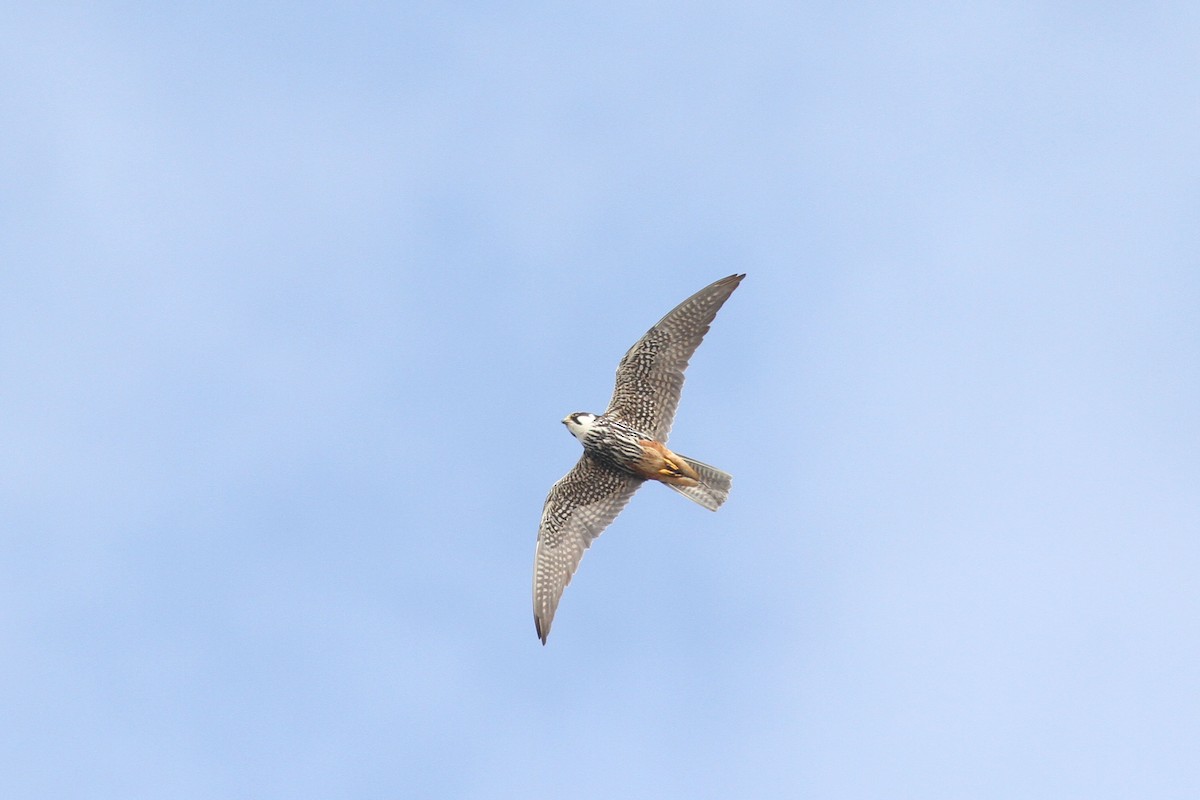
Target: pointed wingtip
<point>537,626</point>
<point>732,282</point>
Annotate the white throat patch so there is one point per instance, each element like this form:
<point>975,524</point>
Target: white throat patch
<point>580,425</point>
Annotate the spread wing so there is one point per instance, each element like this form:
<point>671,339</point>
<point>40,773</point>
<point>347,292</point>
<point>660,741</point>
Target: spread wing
<point>650,376</point>
<point>578,509</point>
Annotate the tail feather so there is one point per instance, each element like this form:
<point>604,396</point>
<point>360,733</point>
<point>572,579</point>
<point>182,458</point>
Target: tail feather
<point>713,488</point>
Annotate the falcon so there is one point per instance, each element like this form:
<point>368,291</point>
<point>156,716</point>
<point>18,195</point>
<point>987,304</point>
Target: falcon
<point>626,446</point>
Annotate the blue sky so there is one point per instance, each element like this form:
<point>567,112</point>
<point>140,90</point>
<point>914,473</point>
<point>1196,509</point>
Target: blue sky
<point>294,296</point>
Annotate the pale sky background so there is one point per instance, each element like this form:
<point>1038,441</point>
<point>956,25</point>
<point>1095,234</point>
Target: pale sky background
<point>293,298</point>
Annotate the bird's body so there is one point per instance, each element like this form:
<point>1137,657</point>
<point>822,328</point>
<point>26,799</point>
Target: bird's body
<point>621,447</point>
<point>626,446</point>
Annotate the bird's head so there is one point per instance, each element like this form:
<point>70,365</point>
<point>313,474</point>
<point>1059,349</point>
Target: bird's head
<point>579,423</point>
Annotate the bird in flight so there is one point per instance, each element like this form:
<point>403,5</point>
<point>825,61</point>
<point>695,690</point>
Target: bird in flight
<point>626,446</point>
